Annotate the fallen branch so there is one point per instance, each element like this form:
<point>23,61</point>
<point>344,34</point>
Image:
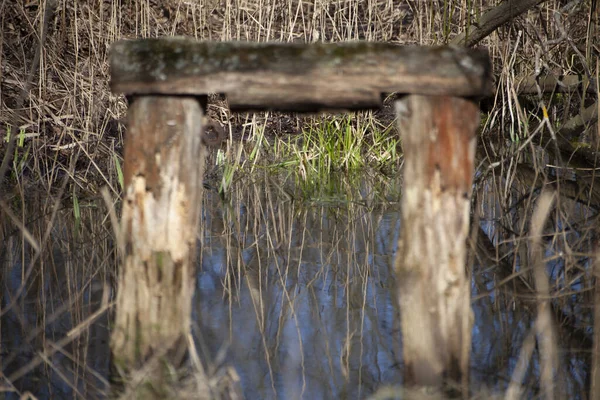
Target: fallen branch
<point>577,124</point>
<point>556,84</point>
<point>577,155</point>
<point>581,189</point>
<point>573,154</point>
<point>494,18</point>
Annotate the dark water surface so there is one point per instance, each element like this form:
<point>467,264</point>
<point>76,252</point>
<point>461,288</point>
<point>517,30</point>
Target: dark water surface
<point>297,296</point>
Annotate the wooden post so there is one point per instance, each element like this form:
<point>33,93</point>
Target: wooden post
<point>164,163</point>
<point>438,139</point>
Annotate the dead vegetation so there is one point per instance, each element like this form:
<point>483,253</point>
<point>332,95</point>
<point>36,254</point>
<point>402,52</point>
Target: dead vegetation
<point>62,134</point>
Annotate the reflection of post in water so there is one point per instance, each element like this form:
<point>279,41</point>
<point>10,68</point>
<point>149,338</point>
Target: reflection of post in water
<point>164,164</point>
<point>438,137</point>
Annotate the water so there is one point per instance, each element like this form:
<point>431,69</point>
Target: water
<point>298,296</point>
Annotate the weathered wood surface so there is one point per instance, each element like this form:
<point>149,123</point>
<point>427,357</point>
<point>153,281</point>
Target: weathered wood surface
<point>438,138</point>
<point>164,163</point>
<point>294,76</point>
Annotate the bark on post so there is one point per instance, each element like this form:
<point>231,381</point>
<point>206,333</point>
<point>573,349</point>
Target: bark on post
<point>438,138</point>
<point>164,163</point>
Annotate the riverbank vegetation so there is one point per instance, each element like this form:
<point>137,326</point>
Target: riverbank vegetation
<point>68,115</point>
<point>61,148</point>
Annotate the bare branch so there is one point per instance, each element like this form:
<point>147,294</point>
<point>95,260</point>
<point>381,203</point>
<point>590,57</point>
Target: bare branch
<point>494,18</point>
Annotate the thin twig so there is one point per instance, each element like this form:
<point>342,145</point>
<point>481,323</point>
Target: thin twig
<point>14,128</point>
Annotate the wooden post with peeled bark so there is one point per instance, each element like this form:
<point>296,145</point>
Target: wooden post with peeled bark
<point>164,159</point>
<point>164,163</point>
<point>438,138</point>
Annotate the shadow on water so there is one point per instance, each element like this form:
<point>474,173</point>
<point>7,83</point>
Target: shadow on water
<point>297,295</point>
<point>56,291</point>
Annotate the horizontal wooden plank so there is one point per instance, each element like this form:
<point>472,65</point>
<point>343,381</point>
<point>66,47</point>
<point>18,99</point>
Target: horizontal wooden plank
<point>296,76</point>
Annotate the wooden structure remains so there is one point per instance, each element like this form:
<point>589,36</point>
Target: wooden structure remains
<point>170,79</point>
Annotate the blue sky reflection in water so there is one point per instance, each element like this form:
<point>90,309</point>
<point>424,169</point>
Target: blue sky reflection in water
<point>299,297</point>
<point>312,312</point>
<point>320,304</point>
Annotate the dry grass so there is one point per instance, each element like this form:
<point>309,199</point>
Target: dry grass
<point>70,113</point>
<point>69,142</point>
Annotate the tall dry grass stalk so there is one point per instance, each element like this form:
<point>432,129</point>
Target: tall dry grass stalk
<point>71,108</point>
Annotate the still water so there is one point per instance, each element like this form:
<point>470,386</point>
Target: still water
<point>295,294</point>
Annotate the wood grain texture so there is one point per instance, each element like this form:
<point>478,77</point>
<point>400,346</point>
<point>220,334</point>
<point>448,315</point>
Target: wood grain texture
<point>438,139</point>
<point>164,163</point>
<point>295,76</point>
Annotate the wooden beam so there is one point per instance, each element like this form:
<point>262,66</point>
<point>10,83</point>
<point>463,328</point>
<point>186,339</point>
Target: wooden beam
<point>438,139</point>
<point>296,76</point>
